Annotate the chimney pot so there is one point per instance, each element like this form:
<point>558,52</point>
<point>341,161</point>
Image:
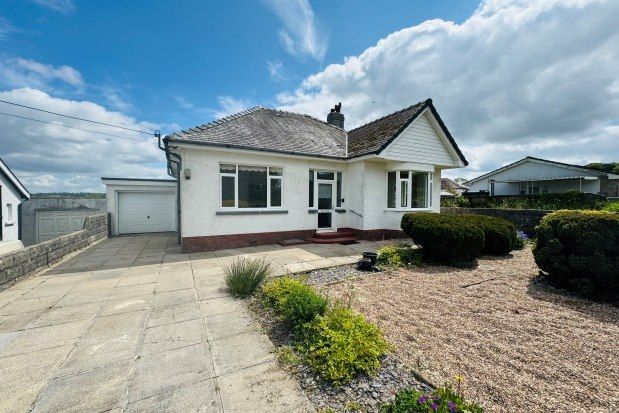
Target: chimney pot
<point>336,118</point>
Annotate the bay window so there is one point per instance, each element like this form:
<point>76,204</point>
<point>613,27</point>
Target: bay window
<point>409,190</point>
<point>244,186</point>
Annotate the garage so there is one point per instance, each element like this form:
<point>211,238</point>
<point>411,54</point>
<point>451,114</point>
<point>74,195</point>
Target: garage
<point>52,224</point>
<point>140,212</point>
<point>140,206</point>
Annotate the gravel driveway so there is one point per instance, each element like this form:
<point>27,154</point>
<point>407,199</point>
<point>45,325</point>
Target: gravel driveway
<point>520,345</point>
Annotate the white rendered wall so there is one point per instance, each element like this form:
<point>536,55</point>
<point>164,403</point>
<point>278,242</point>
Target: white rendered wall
<point>10,229</point>
<point>200,195</point>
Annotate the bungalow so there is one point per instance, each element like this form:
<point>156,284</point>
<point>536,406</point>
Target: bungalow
<point>263,176</point>
<point>534,176</point>
<point>12,194</point>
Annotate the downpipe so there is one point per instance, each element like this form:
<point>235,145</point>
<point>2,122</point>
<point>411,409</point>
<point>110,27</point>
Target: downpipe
<point>177,161</point>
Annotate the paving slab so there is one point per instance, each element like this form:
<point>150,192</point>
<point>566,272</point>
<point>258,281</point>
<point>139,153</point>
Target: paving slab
<point>116,324</point>
<point>262,388</point>
<point>92,354</point>
<point>176,313</point>
<point>163,371</point>
<point>35,339</point>
<point>197,397</point>
<point>172,336</point>
<point>125,305</point>
<point>97,391</point>
<point>240,351</point>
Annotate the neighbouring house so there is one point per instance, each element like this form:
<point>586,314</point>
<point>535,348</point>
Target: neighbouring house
<point>12,194</point>
<point>263,176</point>
<point>451,188</point>
<point>536,176</point>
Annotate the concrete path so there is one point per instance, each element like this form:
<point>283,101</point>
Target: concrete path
<point>133,325</point>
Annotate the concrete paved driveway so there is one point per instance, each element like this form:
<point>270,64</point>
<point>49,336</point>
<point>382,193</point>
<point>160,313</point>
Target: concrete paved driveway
<point>131,324</point>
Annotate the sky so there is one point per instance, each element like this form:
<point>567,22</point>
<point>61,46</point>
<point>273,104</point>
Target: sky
<point>510,78</point>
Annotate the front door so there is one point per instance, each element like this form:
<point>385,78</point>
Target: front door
<point>325,205</point>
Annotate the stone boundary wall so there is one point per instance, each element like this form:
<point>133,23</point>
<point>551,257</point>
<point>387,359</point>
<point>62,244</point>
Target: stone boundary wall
<point>37,257</point>
<point>525,219</point>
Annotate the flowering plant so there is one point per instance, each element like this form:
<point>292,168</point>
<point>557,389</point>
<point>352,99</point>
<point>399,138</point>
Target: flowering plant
<point>441,400</point>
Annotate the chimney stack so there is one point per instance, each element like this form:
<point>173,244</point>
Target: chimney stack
<point>335,118</point>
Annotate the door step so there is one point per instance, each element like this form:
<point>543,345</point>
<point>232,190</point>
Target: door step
<point>291,242</point>
<point>333,237</point>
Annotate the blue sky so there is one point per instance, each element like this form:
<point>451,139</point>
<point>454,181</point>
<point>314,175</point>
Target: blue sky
<point>501,72</point>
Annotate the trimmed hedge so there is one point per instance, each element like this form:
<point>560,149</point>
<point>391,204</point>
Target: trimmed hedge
<point>553,201</point>
<point>500,235</point>
<point>444,238</point>
<point>579,250</point>
<point>458,239</point>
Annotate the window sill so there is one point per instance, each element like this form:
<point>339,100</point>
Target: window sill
<point>9,224</point>
<point>251,212</point>
<point>409,210</point>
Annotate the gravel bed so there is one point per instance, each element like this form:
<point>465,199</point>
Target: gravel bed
<point>336,274</point>
<point>520,345</point>
<point>363,394</point>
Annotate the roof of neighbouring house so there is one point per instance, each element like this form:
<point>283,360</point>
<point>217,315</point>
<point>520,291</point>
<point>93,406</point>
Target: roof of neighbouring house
<point>274,130</point>
<point>546,161</point>
<point>448,184</point>
<point>6,171</point>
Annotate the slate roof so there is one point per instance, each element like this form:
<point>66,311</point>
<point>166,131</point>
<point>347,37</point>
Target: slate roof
<point>447,184</point>
<point>271,130</point>
<point>11,177</point>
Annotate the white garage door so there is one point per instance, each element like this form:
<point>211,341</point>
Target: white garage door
<point>52,224</point>
<point>145,212</point>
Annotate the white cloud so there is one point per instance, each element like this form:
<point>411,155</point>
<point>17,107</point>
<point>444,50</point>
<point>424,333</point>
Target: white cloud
<point>300,35</point>
<point>276,70</point>
<point>229,105</point>
<point>5,28</point>
<point>53,158</point>
<point>517,78</point>
<point>63,6</point>
<point>16,72</point>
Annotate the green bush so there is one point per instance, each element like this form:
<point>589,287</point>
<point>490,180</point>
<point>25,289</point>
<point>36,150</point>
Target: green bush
<point>442,400</point>
<point>611,206</point>
<point>500,235</point>
<point>551,201</point>
<point>399,255</point>
<point>455,201</point>
<point>244,276</point>
<point>294,300</point>
<point>444,238</point>
<point>341,344</point>
<point>580,250</point>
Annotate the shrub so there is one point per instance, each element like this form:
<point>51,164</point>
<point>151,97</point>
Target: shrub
<point>443,400</point>
<point>244,276</point>
<point>444,238</point>
<point>294,300</point>
<point>500,235</point>
<point>580,250</point>
<point>399,255</point>
<point>341,344</point>
<point>455,201</point>
<point>612,206</point>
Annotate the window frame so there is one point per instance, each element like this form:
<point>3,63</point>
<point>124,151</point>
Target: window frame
<point>409,184</point>
<point>338,204</point>
<point>9,212</point>
<point>235,175</point>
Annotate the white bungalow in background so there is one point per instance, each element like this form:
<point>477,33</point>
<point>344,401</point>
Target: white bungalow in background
<point>264,176</point>
<point>12,193</point>
<point>536,176</point>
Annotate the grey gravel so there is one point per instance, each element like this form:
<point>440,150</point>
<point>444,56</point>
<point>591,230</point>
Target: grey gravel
<point>336,274</point>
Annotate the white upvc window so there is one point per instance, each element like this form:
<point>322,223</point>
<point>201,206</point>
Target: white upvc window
<point>336,177</point>
<point>248,186</point>
<point>9,212</point>
<point>409,190</point>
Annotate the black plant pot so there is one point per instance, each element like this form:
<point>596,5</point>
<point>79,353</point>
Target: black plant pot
<point>371,256</point>
<point>364,264</point>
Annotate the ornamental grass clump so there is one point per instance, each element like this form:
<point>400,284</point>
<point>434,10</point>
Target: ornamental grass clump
<point>342,344</point>
<point>442,400</point>
<point>244,276</point>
